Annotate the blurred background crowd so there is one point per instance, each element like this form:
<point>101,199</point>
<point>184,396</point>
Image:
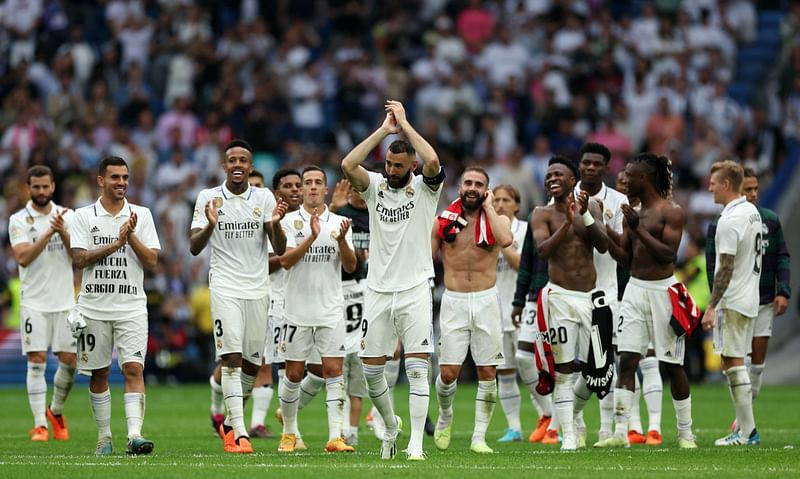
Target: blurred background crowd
<point>504,84</point>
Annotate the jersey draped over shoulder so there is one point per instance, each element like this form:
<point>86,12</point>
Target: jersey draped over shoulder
<point>400,223</point>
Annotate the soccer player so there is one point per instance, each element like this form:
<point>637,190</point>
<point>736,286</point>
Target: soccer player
<point>319,246</point>
<point>470,234</point>
<point>774,285</point>
<point>593,167</point>
<point>114,241</point>
<point>39,235</point>
<point>398,301</point>
<point>348,203</point>
<point>262,390</point>
<point>287,185</point>
<point>506,203</point>
<point>734,304</point>
<point>651,385</point>
<point>238,221</point>
<point>649,245</point>
<point>531,279</point>
<point>566,233</point>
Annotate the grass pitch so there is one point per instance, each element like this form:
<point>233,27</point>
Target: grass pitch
<point>177,420</point>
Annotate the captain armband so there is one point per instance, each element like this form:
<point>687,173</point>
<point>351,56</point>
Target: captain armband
<point>437,179</point>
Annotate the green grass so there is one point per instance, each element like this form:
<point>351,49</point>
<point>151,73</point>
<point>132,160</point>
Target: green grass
<point>177,421</point>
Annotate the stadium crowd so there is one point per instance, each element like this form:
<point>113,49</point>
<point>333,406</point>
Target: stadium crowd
<point>503,84</point>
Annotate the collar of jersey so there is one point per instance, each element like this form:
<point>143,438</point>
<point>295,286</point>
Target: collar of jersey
<point>601,195</point>
<point>227,194</point>
<point>100,211</point>
<point>733,204</point>
<point>33,212</point>
<point>307,217</point>
<point>410,183</point>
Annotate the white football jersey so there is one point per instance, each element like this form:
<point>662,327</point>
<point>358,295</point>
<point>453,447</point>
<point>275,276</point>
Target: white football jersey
<point>507,276</point>
<point>604,264</point>
<point>400,222</point>
<point>739,233</point>
<point>112,288</point>
<point>239,265</point>
<point>313,290</point>
<point>46,283</point>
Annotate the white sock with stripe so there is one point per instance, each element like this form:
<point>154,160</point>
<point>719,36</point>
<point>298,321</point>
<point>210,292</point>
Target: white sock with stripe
<point>62,385</point>
<point>37,392</point>
<point>508,390</point>
<point>334,401</point>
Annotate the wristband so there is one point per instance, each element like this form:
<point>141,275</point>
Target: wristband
<point>588,219</point>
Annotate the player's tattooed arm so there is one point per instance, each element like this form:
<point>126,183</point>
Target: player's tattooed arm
<point>722,278</point>
<point>82,258</point>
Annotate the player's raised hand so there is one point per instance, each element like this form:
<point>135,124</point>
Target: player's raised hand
<point>583,202</point>
<point>390,124</point>
<point>397,109</point>
<point>570,209</point>
<point>212,214</point>
<point>57,224</point>
<point>340,194</point>
<point>343,227</point>
<point>315,223</point>
<point>488,199</point>
<point>279,211</point>
<point>125,231</point>
<point>133,220</point>
<point>631,216</point>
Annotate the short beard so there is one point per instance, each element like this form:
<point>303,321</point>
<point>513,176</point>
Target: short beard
<point>42,202</point>
<point>403,181</point>
<point>470,205</point>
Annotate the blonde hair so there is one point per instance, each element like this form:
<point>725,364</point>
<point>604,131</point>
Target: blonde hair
<point>513,192</point>
<point>731,171</point>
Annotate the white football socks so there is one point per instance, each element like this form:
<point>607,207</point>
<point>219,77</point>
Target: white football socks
<point>334,401</point>
<point>261,398</point>
<point>508,390</point>
<point>134,413</point>
<point>485,401</point>
<point>234,399</point>
<point>289,394</point>
<point>742,396</point>
<point>101,410</point>
<point>62,385</point>
<point>418,400</point>
<point>217,399</point>
<point>310,386</point>
<point>652,390</point>
<point>37,392</point>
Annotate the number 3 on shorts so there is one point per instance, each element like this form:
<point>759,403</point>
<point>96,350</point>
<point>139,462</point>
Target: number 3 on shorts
<point>218,326</point>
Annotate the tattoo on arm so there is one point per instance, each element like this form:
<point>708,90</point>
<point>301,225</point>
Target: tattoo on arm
<point>722,278</point>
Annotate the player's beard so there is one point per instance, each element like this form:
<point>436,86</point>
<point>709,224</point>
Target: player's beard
<point>469,203</point>
<point>399,182</point>
<point>42,200</point>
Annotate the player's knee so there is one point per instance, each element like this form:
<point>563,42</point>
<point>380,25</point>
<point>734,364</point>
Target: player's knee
<point>37,357</point>
<point>448,375</point>
<point>132,371</point>
<point>628,362</point>
<point>68,359</point>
